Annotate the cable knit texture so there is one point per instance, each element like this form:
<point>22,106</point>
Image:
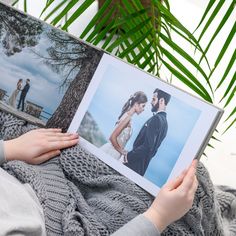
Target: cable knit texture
<point>81,195</point>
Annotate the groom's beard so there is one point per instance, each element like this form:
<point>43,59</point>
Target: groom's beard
<point>155,108</point>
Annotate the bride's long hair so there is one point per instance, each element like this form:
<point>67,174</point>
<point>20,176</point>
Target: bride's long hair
<point>138,97</point>
<point>19,81</point>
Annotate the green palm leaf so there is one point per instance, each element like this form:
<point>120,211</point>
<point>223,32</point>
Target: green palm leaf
<point>64,11</point>
<point>129,34</point>
<point>48,3</point>
<point>86,4</point>
<point>226,45</point>
<point>231,114</point>
<point>181,67</point>
<point>99,26</point>
<point>208,8</point>
<point>211,18</point>
<point>15,2</point>
<point>175,25</point>
<point>54,10</point>
<point>222,23</point>
<point>185,56</point>
<point>225,80</point>
<point>230,125</point>
<point>230,96</point>
<point>25,5</point>
<point>96,18</point>
<point>231,84</point>
<point>227,70</point>
<point>184,79</point>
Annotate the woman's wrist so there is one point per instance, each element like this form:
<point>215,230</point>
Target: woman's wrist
<point>123,152</point>
<point>152,215</point>
<point>2,153</point>
<point>9,150</point>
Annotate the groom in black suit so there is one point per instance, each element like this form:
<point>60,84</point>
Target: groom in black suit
<point>23,95</point>
<point>151,135</point>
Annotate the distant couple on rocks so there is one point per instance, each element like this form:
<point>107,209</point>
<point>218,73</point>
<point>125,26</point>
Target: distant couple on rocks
<point>24,91</point>
<point>150,136</point>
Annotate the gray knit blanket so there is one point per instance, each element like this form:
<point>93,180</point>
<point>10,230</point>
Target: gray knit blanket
<point>81,195</point>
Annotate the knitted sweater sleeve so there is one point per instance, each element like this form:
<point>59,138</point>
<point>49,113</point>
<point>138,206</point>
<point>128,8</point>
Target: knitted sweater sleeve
<point>2,156</point>
<point>139,226</point>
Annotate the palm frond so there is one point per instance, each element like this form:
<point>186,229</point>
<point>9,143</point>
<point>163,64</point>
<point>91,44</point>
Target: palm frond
<point>143,37</point>
<point>207,21</point>
<point>211,18</point>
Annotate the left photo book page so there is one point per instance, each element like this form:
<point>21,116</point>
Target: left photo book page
<point>44,72</point>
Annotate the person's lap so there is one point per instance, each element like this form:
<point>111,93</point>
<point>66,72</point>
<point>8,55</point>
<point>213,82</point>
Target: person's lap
<point>109,200</point>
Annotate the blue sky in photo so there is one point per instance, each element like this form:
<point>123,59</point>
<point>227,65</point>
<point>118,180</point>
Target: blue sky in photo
<point>115,89</point>
<point>44,83</point>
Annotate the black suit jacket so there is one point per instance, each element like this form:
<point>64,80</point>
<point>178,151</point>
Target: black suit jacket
<point>25,89</point>
<point>147,143</point>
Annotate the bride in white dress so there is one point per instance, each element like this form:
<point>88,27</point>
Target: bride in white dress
<point>13,97</point>
<point>123,128</point>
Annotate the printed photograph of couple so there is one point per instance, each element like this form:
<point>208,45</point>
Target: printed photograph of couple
<point>138,124</point>
<point>40,68</point>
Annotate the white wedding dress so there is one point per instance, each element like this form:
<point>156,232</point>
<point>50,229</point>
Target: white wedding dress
<point>13,97</point>
<point>122,140</point>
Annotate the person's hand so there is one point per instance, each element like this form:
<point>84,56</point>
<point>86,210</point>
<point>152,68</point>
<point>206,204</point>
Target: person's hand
<point>124,156</point>
<point>124,152</point>
<point>174,199</point>
<point>38,145</point>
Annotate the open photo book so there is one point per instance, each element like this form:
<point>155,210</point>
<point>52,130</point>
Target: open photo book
<point>141,126</point>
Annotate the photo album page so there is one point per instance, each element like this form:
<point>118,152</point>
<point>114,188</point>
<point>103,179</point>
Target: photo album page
<point>145,128</point>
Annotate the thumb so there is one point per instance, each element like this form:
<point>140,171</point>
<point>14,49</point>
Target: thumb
<point>173,184</point>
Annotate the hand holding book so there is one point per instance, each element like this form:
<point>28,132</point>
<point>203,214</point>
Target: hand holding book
<point>37,146</point>
<point>174,199</point>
